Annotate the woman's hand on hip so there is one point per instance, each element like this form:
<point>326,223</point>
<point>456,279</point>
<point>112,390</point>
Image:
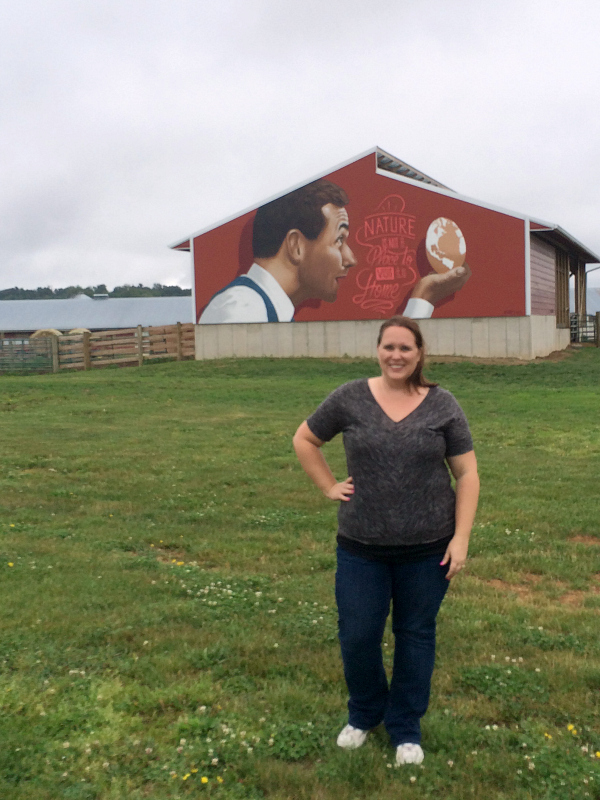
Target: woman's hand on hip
<point>456,556</point>
<point>341,491</point>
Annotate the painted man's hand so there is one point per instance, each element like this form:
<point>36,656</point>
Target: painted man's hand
<point>436,287</point>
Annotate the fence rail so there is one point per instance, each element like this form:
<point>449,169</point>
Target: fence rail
<point>99,349</point>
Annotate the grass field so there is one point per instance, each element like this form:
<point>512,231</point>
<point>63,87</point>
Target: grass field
<point>166,580</point>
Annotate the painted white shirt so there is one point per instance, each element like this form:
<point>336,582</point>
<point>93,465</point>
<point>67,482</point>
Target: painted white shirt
<point>417,308</point>
<point>242,304</point>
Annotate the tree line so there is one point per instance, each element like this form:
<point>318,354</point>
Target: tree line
<point>128,290</point>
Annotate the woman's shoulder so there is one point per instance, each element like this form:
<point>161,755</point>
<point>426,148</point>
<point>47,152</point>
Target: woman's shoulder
<point>351,387</point>
<point>349,392</point>
<point>442,396</point>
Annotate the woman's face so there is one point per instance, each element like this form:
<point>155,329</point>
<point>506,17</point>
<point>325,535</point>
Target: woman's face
<point>398,354</point>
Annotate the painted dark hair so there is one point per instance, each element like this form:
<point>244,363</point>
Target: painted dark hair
<point>301,209</point>
<point>417,378</point>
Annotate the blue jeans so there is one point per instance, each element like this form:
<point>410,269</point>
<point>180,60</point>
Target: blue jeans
<point>364,590</point>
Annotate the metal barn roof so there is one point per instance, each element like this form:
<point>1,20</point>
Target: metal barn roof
<point>96,314</point>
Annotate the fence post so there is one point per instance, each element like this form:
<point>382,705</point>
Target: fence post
<point>597,328</point>
<point>179,343</point>
<point>55,358</point>
<point>140,344</point>
<point>87,361</point>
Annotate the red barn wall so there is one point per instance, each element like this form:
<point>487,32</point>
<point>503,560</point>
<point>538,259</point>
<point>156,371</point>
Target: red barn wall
<point>388,223</point>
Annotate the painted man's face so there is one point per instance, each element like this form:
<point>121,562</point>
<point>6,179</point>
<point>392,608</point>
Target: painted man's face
<point>327,258</point>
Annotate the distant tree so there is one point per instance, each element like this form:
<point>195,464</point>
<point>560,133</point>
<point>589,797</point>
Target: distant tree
<point>127,290</point>
<point>160,290</point>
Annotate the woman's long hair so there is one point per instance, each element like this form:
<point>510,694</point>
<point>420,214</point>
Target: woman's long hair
<point>417,378</point>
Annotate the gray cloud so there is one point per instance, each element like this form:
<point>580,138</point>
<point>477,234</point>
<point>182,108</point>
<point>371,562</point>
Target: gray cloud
<point>128,126</point>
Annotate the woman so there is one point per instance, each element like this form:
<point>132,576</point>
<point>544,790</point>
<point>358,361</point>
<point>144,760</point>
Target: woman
<point>403,532</point>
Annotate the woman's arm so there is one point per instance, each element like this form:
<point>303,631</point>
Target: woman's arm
<point>464,470</point>
<point>312,460</point>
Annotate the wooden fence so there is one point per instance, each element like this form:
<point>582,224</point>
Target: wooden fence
<point>128,347</point>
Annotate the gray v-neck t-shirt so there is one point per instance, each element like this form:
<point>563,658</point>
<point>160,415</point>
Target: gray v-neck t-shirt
<point>403,494</point>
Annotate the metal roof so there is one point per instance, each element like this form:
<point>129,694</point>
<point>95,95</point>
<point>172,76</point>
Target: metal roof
<point>393,164</point>
<point>99,314</point>
<point>556,235</point>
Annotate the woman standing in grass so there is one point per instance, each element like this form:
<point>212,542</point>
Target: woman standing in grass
<point>398,519</point>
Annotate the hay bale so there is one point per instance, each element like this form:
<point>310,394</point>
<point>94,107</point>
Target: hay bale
<point>45,332</point>
<point>78,330</point>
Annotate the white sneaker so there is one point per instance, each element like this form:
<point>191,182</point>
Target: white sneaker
<point>409,754</point>
<point>350,738</point>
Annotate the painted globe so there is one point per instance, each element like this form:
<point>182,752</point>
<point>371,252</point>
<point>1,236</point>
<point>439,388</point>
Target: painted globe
<point>445,245</point>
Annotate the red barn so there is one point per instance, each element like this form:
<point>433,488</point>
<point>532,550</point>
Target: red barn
<point>511,301</point>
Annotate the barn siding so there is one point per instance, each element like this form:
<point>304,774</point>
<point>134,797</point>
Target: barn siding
<point>543,277</point>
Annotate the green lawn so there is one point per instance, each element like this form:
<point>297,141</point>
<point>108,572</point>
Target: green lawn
<point>166,580</point>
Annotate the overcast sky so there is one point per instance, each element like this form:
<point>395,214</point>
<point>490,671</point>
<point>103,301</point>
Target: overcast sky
<point>127,126</point>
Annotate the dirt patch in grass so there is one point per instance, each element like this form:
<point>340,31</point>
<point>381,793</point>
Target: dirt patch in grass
<point>524,590</point>
<point>578,597</point>
<point>589,540</point>
<point>555,356</point>
<point>172,555</point>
